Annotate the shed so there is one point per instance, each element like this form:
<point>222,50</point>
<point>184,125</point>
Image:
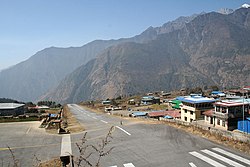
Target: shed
<point>173,113</point>
<point>106,102</point>
<point>157,114</point>
<point>15,109</point>
<point>139,114</point>
<point>244,126</point>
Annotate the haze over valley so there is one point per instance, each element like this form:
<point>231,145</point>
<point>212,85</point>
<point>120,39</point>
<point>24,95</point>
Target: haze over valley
<point>199,50</point>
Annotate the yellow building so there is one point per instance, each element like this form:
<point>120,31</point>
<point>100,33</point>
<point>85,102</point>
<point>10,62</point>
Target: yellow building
<point>193,106</point>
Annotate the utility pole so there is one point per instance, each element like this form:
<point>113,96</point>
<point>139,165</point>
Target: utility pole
<point>243,112</point>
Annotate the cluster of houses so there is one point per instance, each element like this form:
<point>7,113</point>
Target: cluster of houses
<point>228,110</point>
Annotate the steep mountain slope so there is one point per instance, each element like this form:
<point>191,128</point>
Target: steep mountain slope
<point>211,49</point>
<point>28,80</point>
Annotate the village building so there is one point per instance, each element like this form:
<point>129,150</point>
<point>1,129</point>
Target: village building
<point>227,113</point>
<point>11,109</point>
<point>148,100</point>
<point>217,94</point>
<point>106,102</point>
<point>243,92</point>
<point>193,106</point>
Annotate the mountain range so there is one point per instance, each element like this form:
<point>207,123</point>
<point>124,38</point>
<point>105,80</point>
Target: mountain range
<point>29,80</point>
<point>200,50</point>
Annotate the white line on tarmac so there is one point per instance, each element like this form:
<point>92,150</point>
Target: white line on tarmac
<point>128,165</point>
<point>94,117</point>
<point>206,159</point>
<point>104,121</point>
<point>28,130</point>
<point>246,161</point>
<point>123,130</point>
<point>224,159</point>
<point>192,164</point>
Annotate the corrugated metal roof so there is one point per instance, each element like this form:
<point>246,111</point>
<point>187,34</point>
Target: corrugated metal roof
<point>5,106</point>
<point>174,113</point>
<point>229,103</point>
<point>139,114</point>
<point>196,100</point>
<point>157,113</point>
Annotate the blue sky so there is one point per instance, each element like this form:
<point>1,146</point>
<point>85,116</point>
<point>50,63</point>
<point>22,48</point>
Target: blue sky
<point>28,26</point>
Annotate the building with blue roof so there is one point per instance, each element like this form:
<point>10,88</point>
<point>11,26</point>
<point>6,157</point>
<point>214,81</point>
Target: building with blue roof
<point>193,106</point>
<point>217,94</point>
<point>139,114</point>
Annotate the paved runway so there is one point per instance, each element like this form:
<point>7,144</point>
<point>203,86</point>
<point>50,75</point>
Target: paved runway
<point>136,144</point>
<point>151,145</point>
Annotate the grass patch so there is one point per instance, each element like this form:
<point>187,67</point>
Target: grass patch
<point>72,123</point>
<point>4,120</point>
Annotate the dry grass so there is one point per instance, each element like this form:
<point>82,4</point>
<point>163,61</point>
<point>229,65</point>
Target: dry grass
<point>56,162</point>
<point>72,124</point>
<point>217,138</point>
<point>53,111</point>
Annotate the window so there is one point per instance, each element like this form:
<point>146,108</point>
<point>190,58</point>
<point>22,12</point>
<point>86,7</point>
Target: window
<point>218,121</point>
<point>185,118</point>
<point>191,120</point>
<point>223,123</point>
<point>185,110</point>
<point>224,110</point>
<point>191,112</point>
<point>207,118</point>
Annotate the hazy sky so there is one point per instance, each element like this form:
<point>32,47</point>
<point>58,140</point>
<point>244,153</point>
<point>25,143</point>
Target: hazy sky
<point>27,26</point>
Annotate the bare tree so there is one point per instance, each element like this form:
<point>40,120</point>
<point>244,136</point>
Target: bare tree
<point>36,161</point>
<point>87,151</point>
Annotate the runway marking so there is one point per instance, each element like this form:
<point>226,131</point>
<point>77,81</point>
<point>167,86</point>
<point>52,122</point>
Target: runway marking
<point>224,159</point>
<point>192,164</point>
<point>206,159</point>
<point>94,117</point>
<point>104,121</point>
<point>28,130</point>
<point>125,165</point>
<point>66,145</point>
<point>246,161</point>
<point>123,130</point>
<point>128,165</point>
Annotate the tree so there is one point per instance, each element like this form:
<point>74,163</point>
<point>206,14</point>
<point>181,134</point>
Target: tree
<point>87,151</point>
<point>214,88</point>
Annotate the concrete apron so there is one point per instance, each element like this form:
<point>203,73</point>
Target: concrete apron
<point>66,151</point>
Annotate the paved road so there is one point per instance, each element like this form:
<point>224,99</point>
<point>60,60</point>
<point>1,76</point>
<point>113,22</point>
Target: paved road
<point>27,140</point>
<point>149,145</point>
